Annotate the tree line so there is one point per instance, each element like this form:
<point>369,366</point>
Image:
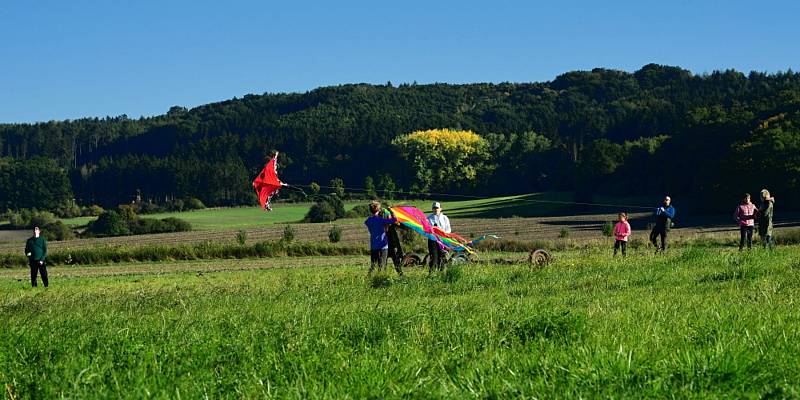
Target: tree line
<point>658,130</point>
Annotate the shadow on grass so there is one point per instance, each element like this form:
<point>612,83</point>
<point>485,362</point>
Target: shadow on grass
<point>530,205</point>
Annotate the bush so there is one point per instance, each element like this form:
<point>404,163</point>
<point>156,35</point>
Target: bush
<point>42,218</point>
<point>6,215</point>
<point>205,250</point>
<point>57,230</point>
<point>68,210</point>
<point>173,224</point>
<point>29,218</point>
<point>359,211</point>
<point>109,223</point>
<point>128,213</point>
<point>288,234</point>
<point>320,212</point>
<point>327,208</point>
<point>335,234</point>
<point>608,229</point>
<point>12,260</point>
<point>148,208</point>
<point>176,205</point>
<point>21,219</point>
<point>127,222</point>
<point>241,238</point>
<point>144,226</point>
<point>92,211</point>
<point>564,233</point>
<point>193,203</point>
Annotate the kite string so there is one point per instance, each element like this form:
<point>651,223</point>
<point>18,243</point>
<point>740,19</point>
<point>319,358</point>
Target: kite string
<point>295,187</point>
<point>429,194</point>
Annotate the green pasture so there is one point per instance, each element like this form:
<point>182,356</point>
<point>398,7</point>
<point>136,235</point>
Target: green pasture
<point>226,218</point>
<point>699,322</point>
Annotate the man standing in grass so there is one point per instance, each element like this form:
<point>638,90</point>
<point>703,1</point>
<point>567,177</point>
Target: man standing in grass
<point>435,252</point>
<point>36,250</point>
<point>395,247</point>
<point>378,242</point>
<point>664,216</point>
<point>765,229</point>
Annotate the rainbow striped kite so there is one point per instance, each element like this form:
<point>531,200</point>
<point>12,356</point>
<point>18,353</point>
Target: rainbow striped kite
<point>416,220</point>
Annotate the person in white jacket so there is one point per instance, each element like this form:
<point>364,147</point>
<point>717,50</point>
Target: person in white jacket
<point>435,253</point>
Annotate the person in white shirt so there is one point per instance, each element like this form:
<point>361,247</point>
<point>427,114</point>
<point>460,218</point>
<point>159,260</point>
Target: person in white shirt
<point>436,255</point>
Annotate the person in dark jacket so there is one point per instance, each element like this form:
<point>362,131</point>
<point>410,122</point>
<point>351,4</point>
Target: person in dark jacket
<point>664,216</point>
<point>36,250</point>
<point>765,229</point>
<point>378,242</point>
<point>395,248</point>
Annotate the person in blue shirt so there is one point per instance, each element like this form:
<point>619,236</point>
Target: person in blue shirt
<point>378,242</point>
<point>664,215</point>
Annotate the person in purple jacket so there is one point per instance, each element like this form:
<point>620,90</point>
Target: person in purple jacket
<point>378,242</point>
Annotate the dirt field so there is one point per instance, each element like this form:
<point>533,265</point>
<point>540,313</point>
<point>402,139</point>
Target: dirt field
<point>14,237</point>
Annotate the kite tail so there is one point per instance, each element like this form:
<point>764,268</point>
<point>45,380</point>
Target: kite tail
<point>482,238</point>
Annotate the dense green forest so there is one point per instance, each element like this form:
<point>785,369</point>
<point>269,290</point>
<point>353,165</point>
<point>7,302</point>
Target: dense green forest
<point>706,138</point>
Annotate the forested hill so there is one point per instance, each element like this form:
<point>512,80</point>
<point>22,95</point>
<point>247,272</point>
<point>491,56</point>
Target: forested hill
<point>660,129</point>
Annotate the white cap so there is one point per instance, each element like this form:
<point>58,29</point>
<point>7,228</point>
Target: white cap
<point>436,205</point>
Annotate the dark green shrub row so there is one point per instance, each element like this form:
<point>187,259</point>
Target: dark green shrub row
<point>186,204</point>
<point>52,228</point>
<point>124,222</point>
<point>198,251</point>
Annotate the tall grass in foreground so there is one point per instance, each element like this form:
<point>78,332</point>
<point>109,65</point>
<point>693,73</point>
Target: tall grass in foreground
<point>695,323</point>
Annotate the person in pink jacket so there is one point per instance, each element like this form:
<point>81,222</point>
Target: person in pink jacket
<point>745,216</point>
<point>621,232</point>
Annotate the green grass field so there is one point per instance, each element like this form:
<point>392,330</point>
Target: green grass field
<point>247,217</point>
<point>225,218</point>
<point>697,323</point>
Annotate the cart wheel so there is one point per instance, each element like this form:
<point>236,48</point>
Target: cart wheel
<point>539,257</point>
<point>459,259</point>
<point>425,260</point>
<point>411,260</point>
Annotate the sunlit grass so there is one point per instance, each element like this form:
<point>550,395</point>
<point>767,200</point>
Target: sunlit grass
<point>699,322</point>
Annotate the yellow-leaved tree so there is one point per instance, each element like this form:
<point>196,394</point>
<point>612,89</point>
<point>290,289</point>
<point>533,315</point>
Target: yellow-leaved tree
<point>444,158</point>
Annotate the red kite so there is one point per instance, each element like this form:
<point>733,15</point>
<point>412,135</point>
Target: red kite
<point>267,183</point>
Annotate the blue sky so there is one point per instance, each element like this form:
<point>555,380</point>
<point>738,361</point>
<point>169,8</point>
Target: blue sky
<point>72,59</point>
